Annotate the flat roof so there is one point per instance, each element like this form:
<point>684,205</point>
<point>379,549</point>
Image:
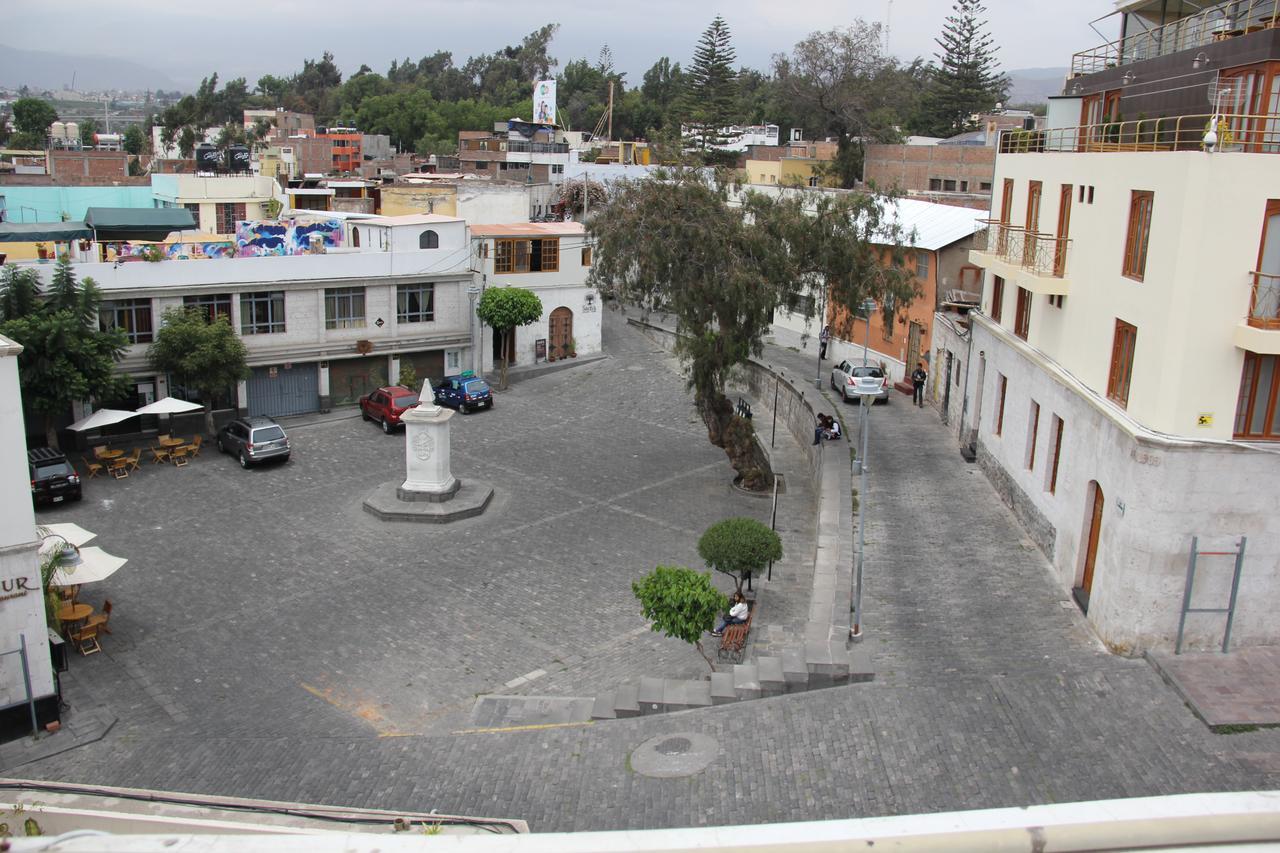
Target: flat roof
<point>530,228</point>
<point>411,219</point>
<point>310,191</point>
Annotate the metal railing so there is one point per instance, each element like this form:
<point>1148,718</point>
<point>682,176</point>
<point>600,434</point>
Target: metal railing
<point>1215,23</point>
<point>1231,132</point>
<point>1035,251</point>
<point>1264,305</point>
<point>538,147</point>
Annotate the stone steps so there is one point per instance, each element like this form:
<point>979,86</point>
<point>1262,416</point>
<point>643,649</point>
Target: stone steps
<point>819,665</point>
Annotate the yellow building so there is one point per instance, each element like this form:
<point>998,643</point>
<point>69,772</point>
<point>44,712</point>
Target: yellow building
<point>764,172</point>
<point>406,199</point>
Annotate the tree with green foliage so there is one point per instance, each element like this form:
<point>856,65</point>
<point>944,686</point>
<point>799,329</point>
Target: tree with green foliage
<point>504,309</point>
<point>966,81</point>
<point>88,128</point>
<point>135,140</point>
<point>740,548</point>
<point>680,603</point>
<point>66,357</point>
<point>207,356</point>
<point>31,120</point>
<point>711,85</point>
<point>721,270</point>
<point>840,83</point>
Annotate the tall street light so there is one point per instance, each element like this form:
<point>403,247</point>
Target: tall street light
<point>868,305</point>
<point>476,366</point>
<point>867,400</point>
<point>822,320</point>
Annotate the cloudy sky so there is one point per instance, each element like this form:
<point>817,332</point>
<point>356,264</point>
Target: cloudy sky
<point>189,40</point>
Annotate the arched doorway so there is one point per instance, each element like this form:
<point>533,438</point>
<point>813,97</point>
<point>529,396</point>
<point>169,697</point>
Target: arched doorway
<point>1092,532</point>
<point>560,334</point>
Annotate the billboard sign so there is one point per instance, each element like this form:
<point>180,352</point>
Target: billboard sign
<point>544,102</point>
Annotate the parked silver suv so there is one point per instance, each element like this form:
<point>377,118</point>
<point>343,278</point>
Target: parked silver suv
<point>254,440</point>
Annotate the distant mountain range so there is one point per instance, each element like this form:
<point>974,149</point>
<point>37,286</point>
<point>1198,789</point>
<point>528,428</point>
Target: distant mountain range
<point>47,70</point>
<point>1035,85</point>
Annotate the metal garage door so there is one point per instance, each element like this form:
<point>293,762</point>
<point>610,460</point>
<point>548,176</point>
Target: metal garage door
<point>350,378</point>
<point>279,391</point>
<point>428,364</point>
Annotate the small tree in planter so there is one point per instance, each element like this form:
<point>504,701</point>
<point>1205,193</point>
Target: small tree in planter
<point>680,603</point>
<point>408,376</point>
<point>739,548</point>
<point>505,308</point>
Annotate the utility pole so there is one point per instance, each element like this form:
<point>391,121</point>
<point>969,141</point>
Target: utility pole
<point>610,130</point>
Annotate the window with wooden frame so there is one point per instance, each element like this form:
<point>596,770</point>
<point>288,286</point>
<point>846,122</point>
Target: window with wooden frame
<point>1264,305</point>
<point>132,316</point>
<point>1139,234</point>
<point>1022,319</point>
<point>1055,435</point>
<point>1063,232</point>
<point>520,256</point>
<point>1002,383</point>
<point>997,297</point>
<point>1122,349</point>
<point>228,216</point>
<point>586,256</point>
<point>1006,211</point>
<point>1033,429</point>
<point>1035,191</point>
<point>213,305</point>
<point>1258,406</point>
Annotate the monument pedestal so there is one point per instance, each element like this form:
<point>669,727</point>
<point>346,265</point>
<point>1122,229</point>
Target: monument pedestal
<point>430,493</point>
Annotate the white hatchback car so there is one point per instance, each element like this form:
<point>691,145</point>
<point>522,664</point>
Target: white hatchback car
<point>855,381</point>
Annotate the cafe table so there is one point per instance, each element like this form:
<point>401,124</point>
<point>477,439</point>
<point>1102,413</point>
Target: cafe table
<point>72,613</point>
<point>108,455</point>
<point>172,442</point>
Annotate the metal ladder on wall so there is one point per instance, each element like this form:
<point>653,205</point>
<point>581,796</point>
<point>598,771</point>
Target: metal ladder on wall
<point>1230,609</point>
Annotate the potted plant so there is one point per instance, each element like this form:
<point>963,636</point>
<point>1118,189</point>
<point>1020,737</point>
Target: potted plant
<point>42,251</point>
<point>573,348</point>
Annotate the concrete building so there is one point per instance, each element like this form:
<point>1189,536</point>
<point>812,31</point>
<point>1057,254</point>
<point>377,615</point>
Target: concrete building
<point>516,151</point>
<point>552,259</point>
<point>22,609</point>
<point>1120,383</point>
<point>470,199</point>
<point>933,172</point>
<point>321,329</point>
<point>217,202</point>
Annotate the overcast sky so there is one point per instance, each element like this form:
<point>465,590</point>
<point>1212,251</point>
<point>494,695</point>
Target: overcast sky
<point>190,40</point>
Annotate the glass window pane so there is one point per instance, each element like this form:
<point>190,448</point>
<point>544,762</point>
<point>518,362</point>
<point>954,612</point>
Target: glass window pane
<point>1266,370</point>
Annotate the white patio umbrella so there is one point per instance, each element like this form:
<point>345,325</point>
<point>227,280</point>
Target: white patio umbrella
<point>80,565</point>
<point>102,418</point>
<point>74,534</point>
<point>169,406</point>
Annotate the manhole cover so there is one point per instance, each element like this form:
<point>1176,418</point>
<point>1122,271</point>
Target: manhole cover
<point>675,746</point>
<point>674,755</point>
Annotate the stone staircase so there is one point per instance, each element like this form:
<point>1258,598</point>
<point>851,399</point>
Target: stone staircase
<point>819,666</point>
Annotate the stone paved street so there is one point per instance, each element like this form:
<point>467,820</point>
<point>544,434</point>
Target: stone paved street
<point>272,640</point>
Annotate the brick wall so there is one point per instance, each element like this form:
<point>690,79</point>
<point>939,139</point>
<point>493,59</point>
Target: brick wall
<point>88,164</point>
<point>911,167</point>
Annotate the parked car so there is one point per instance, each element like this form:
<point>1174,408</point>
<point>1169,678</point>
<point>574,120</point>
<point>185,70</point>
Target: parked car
<point>53,480</point>
<point>386,405</point>
<point>464,393</point>
<point>853,381</point>
<point>254,440</point>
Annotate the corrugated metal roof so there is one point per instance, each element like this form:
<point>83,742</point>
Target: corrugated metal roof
<point>936,225</point>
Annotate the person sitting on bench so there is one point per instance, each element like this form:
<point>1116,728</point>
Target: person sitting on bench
<point>737,614</point>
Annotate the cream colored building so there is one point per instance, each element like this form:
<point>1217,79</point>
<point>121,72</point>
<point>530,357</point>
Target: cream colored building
<point>217,202</point>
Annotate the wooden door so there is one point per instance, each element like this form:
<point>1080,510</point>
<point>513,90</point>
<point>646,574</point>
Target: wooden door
<point>560,334</point>
<point>1034,192</point>
<point>913,346</point>
<point>1091,548</point>
<point>1064,229</point>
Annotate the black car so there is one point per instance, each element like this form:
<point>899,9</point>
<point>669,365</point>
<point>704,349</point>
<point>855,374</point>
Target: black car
<point>53,480</point>
<point>253,440</point>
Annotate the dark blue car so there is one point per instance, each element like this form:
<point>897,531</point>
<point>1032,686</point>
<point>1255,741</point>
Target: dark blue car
<point>464,392</point>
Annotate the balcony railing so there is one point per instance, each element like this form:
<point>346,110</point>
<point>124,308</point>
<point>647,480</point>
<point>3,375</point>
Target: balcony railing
<point>1215,23</point>
<point>538,147</point>
<point>1264,306</point>
<point>1231,132</point>
<point>1035,251</point>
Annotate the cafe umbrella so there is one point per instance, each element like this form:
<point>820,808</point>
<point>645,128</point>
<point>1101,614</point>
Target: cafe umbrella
<point>101,418</point>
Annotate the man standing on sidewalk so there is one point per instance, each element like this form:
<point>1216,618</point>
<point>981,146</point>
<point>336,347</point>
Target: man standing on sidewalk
<point>824,337</point>
<point>918,377</point>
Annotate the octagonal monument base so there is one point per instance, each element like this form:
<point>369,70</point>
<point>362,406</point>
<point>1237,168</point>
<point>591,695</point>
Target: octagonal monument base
<point>471,499</point>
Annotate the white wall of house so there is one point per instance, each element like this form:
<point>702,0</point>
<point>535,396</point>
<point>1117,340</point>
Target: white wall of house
<point>1207,219</point>
<point>1159,491</point>
<point>21,602</point>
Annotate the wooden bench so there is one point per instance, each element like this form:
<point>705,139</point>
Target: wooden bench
<point>734,639</point>
<point>743,409</point>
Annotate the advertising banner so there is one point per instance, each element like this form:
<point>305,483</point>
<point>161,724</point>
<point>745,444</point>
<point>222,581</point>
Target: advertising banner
<point>544,102</point>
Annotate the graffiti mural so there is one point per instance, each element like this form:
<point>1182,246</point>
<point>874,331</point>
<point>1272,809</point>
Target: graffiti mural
<point>170,251</point>
<point>260,239</point>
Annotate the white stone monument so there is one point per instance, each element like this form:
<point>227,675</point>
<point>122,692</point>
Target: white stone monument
<point>426,452</point>
<point>430,493</point>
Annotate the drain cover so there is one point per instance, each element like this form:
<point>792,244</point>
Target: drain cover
<point>674,755</point>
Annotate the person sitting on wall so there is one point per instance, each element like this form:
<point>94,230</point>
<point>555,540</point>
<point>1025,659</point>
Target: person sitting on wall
<point>824,424</point>
<point>832,432</point>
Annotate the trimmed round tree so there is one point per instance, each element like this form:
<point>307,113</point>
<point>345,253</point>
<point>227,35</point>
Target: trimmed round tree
<point>680,603</point>
<point>505,308</point>
<point>739,548</point>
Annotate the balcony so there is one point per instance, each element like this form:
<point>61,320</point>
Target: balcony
<point>1032,260</point>
<point>1236,132</point>
<point>1260,331</point>
<point>1222,21</point>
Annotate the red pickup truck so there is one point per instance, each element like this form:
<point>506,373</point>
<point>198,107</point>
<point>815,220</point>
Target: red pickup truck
<point>386,405</point>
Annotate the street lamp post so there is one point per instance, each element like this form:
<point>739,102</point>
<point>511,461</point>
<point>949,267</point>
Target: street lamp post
<point>476,366</point>
<point>822,319</point>
<point>867,401</point>
<point>868,305</point>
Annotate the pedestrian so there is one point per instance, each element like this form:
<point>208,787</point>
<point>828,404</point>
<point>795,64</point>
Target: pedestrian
<point>820,430</point>
<point>737,614</point>
<point>823,337</point>
<point>833,429</point>
<point>918,378</point>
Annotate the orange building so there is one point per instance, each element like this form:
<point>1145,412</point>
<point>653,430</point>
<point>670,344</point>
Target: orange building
<point>347,156</point>
<point>899,336</point>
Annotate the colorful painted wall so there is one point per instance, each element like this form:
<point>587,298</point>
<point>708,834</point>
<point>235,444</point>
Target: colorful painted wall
<point>287,237</point>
